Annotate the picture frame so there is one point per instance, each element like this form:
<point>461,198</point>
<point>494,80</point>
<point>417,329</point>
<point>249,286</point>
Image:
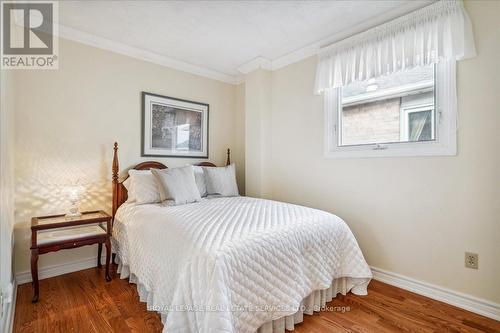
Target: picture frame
<point>173,127</point>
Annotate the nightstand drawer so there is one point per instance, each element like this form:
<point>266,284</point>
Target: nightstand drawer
<point>51,247</point>
<point>60,235</point>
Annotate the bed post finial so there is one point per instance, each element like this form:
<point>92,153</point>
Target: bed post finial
<point>115,163</point>
<point>115,178</point>
<point>228,161</point>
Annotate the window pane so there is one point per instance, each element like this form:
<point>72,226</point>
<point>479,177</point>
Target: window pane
<point>392,108</point>
<point>420,126</point>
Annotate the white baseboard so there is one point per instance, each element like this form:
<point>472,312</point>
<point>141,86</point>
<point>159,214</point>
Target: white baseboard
<point>9,318</point>
<point>458,299</point>
<point>60,269</point>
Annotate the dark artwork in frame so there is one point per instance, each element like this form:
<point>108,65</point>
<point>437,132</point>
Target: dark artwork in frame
<point>173,127</point>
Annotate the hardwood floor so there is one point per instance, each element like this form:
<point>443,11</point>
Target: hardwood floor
<point>84,302</point>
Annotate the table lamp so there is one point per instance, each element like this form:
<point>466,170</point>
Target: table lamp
<point>74,195</point>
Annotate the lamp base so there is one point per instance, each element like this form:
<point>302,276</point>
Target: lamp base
<point>73,212</point>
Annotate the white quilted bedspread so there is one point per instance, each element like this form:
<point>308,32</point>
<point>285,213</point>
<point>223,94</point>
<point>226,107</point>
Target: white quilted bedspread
<point>213,266</point>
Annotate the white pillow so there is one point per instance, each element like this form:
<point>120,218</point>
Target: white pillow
<point>144,188</point>
<point>199,177</point>
<point>177,184</point>
<point>221,181</point>
<point>128,186</point>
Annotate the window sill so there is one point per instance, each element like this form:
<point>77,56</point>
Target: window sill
<point>393,150</point>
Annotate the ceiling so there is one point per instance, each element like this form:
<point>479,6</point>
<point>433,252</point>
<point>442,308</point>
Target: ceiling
<point>224,38</point>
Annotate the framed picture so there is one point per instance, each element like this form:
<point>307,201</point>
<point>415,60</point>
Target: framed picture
<point>173,127</point>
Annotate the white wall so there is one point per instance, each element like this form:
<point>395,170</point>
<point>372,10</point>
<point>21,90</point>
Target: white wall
<point>239,153</point>
<point>68,119</point>
<point>6,189</point>
<point>413,216</point>
<point>257,136</point>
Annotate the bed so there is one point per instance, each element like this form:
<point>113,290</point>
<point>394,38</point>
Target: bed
<point>233,264</point>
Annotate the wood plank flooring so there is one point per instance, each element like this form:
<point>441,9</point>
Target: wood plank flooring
<point>84,302</point>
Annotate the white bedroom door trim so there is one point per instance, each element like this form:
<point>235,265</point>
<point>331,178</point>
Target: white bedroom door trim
<point>6,206</point>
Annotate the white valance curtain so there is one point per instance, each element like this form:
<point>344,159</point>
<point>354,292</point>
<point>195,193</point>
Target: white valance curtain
<point>441,31</point>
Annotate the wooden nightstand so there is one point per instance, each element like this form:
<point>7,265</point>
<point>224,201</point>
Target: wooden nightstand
<point>58,232</point>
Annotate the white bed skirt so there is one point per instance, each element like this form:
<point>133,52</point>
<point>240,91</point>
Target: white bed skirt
<point>312,303</point>
<point>315,302</point>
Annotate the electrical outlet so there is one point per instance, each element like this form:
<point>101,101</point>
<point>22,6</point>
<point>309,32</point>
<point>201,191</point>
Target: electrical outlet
<point>471,260</point>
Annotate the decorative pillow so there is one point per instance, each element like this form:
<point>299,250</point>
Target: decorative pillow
<point>128,186</point>
<point>199,177</point>
<point>221,181</point>
<point>143,187</point>
<point>177,184</point>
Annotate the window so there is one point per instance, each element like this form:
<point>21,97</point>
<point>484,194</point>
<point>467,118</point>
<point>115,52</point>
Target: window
<point>417,123</point>
<point>407,113</point>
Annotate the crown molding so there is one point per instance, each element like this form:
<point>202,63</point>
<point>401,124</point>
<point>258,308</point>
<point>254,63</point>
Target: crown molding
<point>296,56</point>
<point>240,79</point>
<point>254,64</point>
<point>314,48</point>
<point>135,52</point>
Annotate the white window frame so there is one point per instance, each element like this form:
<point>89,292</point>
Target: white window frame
<point>445,143</point>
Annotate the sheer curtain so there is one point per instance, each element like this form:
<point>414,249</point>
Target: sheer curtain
<point>441,31</point>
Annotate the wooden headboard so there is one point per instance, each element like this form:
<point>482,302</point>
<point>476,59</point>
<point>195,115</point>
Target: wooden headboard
<point>120,192</point>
